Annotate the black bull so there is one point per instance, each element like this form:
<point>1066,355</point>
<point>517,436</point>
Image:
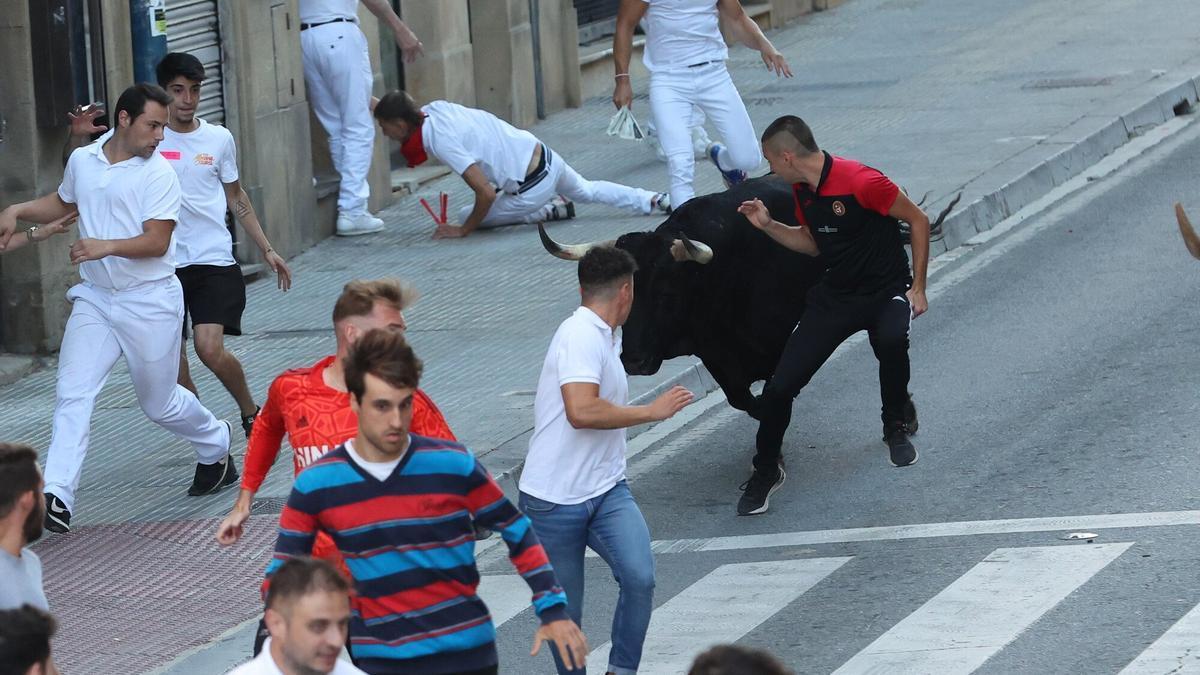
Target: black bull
<point>734,311</point>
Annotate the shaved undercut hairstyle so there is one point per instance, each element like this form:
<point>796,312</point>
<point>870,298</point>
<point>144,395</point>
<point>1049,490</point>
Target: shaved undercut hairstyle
<point>301,576</point>
<point>386,355</point>
<point>790,133</point>
<point>737,660</point>
<point>24,638</point>
<point>358,297</point>
<point>133,100</point>
<point>18,474</point>
<point>176,64</point>
<point>398,105</point>
<point>603,269</point>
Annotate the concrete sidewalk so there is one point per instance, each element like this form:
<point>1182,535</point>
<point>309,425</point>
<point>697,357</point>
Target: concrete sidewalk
<point>999,100</point>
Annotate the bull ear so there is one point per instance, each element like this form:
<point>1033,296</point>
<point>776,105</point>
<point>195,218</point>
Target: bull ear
<point>1189,234</point>
<point>684,249</point>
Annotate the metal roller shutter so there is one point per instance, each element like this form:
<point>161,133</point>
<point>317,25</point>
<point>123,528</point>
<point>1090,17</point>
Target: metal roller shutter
<point>193,27</point>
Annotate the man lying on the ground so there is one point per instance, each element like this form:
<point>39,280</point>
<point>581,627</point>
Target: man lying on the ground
<point>515,177</point>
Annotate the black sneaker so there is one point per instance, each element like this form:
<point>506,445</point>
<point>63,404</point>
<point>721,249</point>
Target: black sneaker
<point>910,417</point>
<point>756,492</point>
<point>248,421</point>
<point>210,478</point>
<point>58,518</point>
<point>902,451</point>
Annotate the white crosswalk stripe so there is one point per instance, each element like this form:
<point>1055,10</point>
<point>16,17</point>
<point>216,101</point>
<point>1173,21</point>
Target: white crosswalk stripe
<point>1176,652</point>
<point>956,631</point>
<point>722,607</point>
<point>983,610</point>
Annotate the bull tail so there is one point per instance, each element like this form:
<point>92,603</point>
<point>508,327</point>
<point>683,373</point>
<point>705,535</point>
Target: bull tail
<point>1189,234</point>
<point>936,225</point>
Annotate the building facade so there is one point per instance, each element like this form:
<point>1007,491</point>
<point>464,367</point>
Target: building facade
<point>519,59</point>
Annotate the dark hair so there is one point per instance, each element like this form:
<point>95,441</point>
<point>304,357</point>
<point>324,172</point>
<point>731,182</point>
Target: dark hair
<point>24,638</point>
<point>176,64</point>
<point>358,297</point>
<point>302,575</point>
<point>398,105</point>
<point>603,268</point>
<point>737,660</point>
<point>801,135</point>
<point>133,100</point>
<point>386,355</point>
<point>18,474</point>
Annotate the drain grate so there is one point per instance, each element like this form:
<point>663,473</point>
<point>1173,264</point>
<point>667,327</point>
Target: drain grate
<point>1069,83</point>
<point>268,505</point>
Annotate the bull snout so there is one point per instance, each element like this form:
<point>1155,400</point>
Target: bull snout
<point>639,365</point>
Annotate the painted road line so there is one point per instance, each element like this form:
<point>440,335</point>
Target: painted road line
<point>929,530</point>
<point>722,607</point>
<point>1176,651</point>
<point>982,611</point>
<point>506,595</point>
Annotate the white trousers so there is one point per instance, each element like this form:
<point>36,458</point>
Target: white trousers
<point>530,206</point>
<point>337,72</point>
<point>143,324</point>
<point>709,87</point>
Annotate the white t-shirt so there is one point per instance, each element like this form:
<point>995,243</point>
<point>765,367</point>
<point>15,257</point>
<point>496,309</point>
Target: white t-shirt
<point>380,470</point>
<point>461,136</point>
<point>264,664</point>
<point>681,33</point>
<point>204,160</point>
<point>566,465</point>
<point>316,11</point>
<point>114,202</point>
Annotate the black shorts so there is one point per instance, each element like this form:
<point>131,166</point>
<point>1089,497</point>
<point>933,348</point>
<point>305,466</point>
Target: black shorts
<point>213,294</point>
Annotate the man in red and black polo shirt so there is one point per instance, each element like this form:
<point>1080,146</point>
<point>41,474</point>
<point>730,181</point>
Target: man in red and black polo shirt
<point>848,214</point>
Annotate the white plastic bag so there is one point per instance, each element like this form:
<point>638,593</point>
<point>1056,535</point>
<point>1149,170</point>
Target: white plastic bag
<point>624,125</point>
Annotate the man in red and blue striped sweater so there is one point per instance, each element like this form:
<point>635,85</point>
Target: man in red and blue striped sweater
<point>399,509</point>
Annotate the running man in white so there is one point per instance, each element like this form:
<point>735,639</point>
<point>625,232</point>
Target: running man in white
<point>515,177</point>
<point>685,55</point>
<point>129,303</point>
<point>337,72</point>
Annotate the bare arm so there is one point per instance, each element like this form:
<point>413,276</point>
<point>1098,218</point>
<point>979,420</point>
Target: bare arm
<point>151,243</point>
<point>628,16</point>
<point>406,40</point>
<point>798,238</point>
<point>485,196</point>
<point>243,211</point>
<point>83,126</point>
<point>39,233</point>
<point>747,31</point>
<point>904,209</point>
<point>587,410</point>
<point>42,210</point>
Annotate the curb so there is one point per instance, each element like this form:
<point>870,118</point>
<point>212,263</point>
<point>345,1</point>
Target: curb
<point>1085,142</point>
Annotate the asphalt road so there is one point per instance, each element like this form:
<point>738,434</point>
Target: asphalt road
<point>1060,379</point>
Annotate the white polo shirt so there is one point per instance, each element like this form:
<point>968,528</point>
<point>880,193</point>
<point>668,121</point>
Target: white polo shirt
<point>204,159</point>
<point>316,11</point>
<point>681,33</point>
<point>461,136</point>
<point>114,201</point>
<point>264,664</point>
<point>566,465</point>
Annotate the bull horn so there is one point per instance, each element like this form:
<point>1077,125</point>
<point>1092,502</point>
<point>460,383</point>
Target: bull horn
<point>684,249</point>
<point>1185,228</point>
<point>568,251</point>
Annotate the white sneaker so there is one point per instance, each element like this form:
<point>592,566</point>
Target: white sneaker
<point>353,225</point>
